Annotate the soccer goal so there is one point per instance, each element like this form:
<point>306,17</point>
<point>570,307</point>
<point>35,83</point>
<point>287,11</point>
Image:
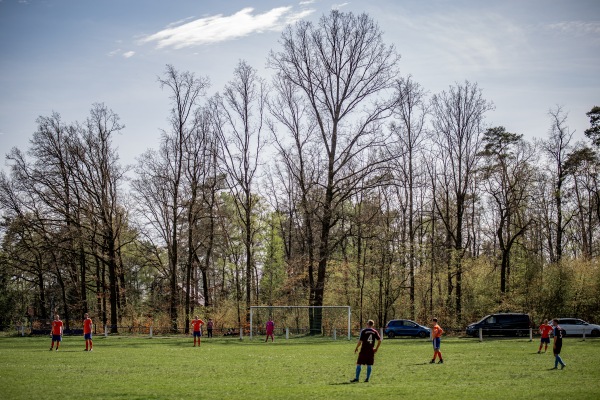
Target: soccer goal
<point>294,320</point>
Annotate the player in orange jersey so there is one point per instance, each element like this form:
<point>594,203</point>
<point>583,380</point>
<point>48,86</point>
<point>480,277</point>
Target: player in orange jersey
<point>57,331</point>
<point>436,335</point>
<point>545,331</point>
<point>196,324</point>
<point>87,332</point>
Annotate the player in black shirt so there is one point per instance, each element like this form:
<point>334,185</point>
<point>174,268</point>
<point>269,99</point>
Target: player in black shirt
<point>368,348</point>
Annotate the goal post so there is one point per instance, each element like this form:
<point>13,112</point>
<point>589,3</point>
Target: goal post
<point>284,321</point>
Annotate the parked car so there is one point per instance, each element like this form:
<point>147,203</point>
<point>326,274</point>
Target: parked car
<point>506,324</point>
<point>576,326</point>
<point>405,327</point>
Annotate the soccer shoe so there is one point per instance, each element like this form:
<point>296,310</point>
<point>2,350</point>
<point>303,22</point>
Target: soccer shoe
<point>539,352</point>
<point>432,362</point>
<point>85,349</point>
<point>563,366</point>
<point>51,349</point>
<point>441,362</point>
<point>354,380</point>
<point>554,368</point>
<point>366,380</point>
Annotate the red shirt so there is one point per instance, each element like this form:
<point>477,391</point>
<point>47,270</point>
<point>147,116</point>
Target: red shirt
<point>57,327</point>
<point>437,331</point>
<point>545,330</point>
<point>196,324</point>
<point>87,325</point>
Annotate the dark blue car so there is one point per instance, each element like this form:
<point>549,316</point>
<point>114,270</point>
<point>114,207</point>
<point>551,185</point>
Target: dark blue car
<point>405,327</point>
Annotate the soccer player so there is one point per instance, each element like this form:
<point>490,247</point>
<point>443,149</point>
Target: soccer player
<point>436,335</point>
<point>366,343</point>
<point>270,328</point>
<point>558,339</point>
<point>209,327</point>
<point>196,323</point>
<point>87,332</point>
<point>57,331</point>
<point>545,330</point>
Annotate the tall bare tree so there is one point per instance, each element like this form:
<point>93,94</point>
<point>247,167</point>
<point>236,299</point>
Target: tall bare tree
<point>458,118</point>
<point>409,127</point>
<point>241,110</point>
<point>161,174</point>
<point>556,148</point>
<point>100,175</point>
<point>342,68</point>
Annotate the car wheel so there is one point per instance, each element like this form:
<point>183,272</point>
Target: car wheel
<point>422,334</point>
<point>391,335</point>
<point>596,333</point>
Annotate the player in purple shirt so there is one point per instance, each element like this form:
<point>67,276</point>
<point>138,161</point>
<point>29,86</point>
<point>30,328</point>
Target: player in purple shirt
<point>368,348</point>
<point>270,329</point>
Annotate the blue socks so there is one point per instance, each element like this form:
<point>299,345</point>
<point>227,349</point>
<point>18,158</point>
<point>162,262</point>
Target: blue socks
<point>368,371</point>
<point>358,368</point>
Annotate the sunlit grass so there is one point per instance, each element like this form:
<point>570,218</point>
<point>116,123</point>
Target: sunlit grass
<point>170,368</point>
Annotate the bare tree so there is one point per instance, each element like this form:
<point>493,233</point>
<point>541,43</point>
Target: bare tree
<point>241,110</point>
<point>556,148</point>
<point>161,174</point>
<point>458,124</point>
<point>99,175</point>
<point>409,127</point>
<point>341,67</point>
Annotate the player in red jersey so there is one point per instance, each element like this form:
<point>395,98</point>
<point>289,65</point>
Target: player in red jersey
<point>87,332</point>
<point>368,348</point>
<point>270,329</point>
<point>436,335</point>
<point>57,331</point>
<point>545,331</point>
<point>196,324</point>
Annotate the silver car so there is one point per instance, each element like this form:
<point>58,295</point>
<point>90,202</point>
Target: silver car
<point>576,326</point>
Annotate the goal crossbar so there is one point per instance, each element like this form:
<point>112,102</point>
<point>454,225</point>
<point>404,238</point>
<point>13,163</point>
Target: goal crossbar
<point>349,310</point>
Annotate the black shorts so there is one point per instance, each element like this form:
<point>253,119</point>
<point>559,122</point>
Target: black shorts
<point>365,358</point>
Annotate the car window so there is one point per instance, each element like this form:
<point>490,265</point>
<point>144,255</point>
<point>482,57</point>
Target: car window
<point>491,320</point>
<point>395,323</point>
<point>410,324</point>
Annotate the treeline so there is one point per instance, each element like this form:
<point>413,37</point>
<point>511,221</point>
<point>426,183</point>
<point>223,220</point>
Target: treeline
<point>337,182</point>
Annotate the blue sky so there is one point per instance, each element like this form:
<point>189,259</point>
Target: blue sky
<point>65,55</point>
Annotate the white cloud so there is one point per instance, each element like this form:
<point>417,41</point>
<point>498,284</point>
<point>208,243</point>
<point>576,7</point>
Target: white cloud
<point>128,54</point>
<point>338,6</point>
<point>114,52</point>
<point>306,2</point>
<point>578,28</point>
<point>219,28</point>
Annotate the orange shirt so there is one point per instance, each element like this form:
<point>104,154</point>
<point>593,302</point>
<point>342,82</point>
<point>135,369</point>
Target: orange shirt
<point>545,330</point>
<point>87,325</point>
<point>437,331</point>
<point>57,327</point>
<point>196,324</point>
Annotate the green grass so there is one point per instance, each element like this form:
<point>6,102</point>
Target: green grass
<point>170,368</point>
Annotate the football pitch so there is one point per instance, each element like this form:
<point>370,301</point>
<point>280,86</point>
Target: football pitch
<point>122,367</point>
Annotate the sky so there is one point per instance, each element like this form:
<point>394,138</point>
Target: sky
<point>527,56</point>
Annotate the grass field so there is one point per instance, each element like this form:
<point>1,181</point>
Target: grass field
<point>170,368</point>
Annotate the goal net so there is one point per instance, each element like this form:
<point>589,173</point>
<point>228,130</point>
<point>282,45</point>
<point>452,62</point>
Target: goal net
<point>294,321</point>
